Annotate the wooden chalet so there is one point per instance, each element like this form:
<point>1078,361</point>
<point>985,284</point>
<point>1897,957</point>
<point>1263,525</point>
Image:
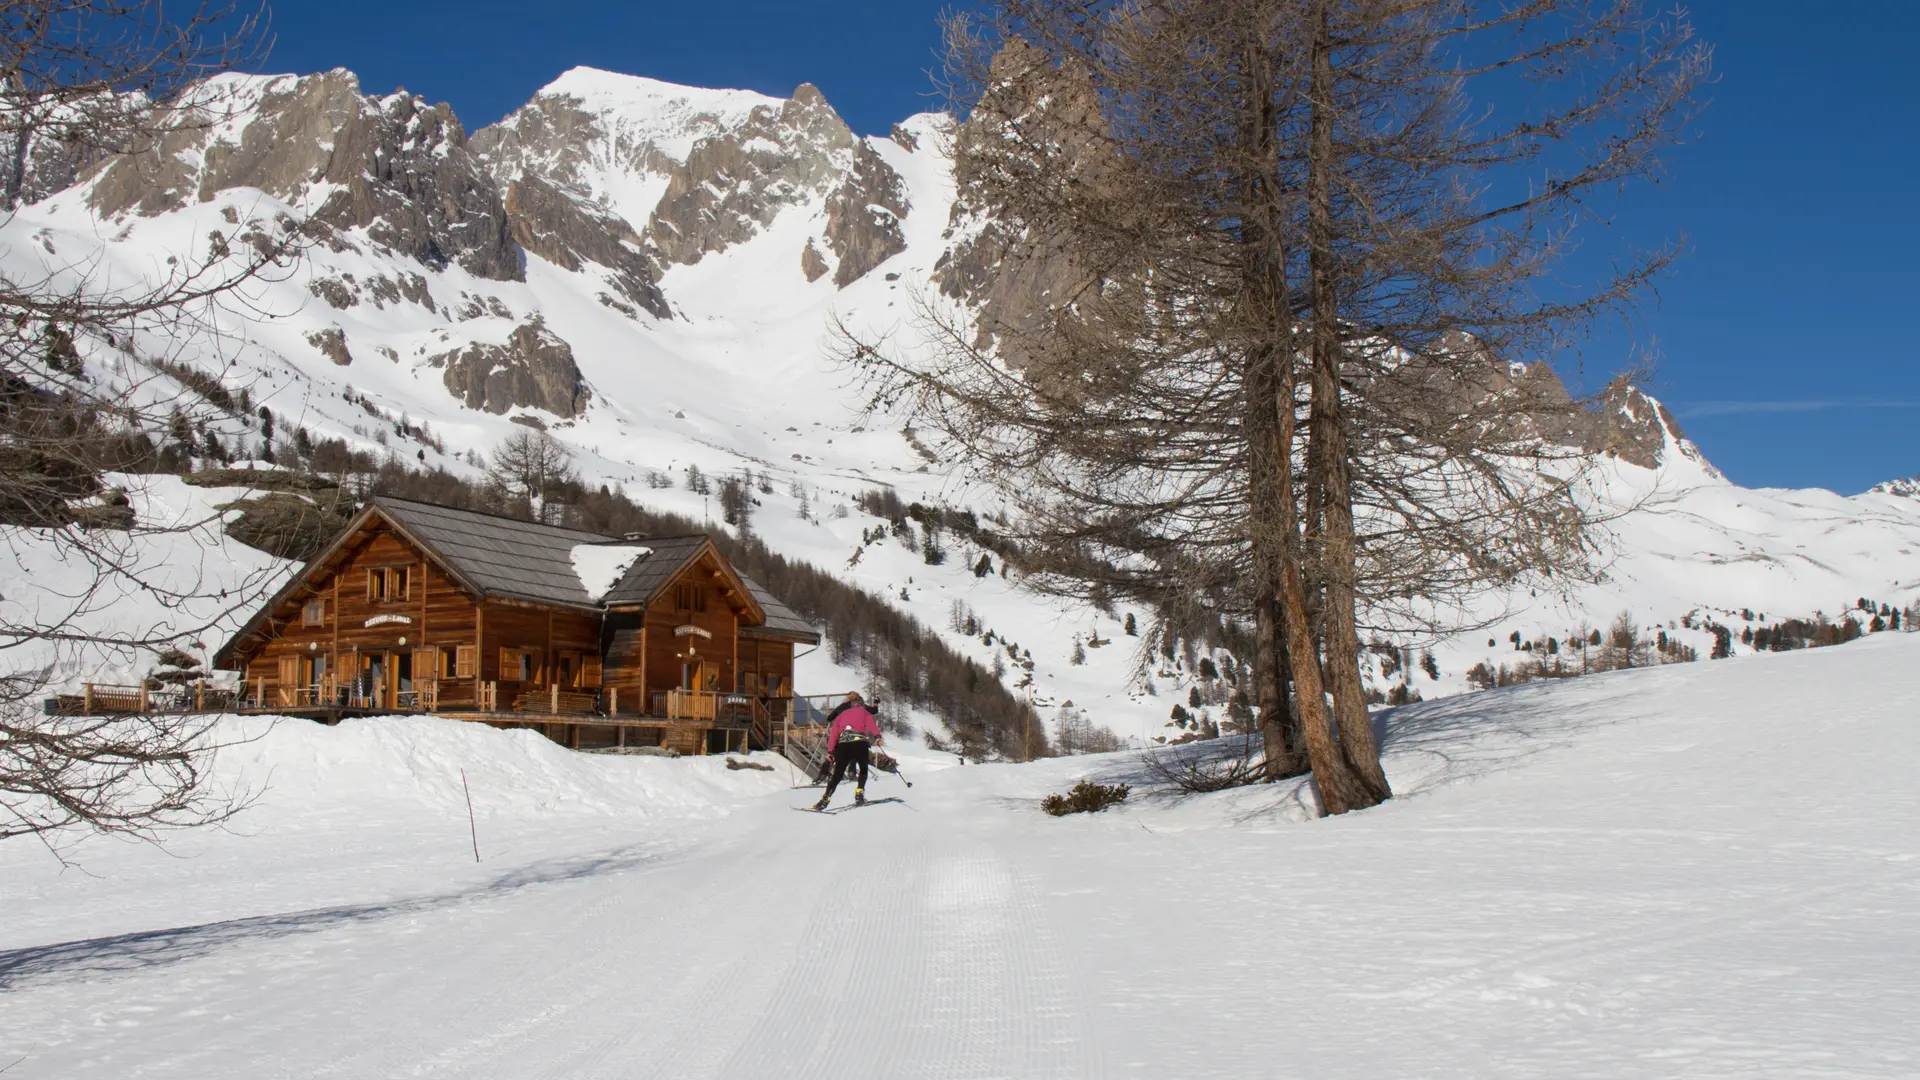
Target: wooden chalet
<point>424,608</point>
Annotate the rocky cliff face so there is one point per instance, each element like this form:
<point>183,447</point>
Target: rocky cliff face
<point>571,232</point>
<point>1011,275</point>
<point>534,368</point>
<point>863,217</point>
<point>396,167</point>
<point>732,186</point>
<point>1635,428</point>
<point>700,171</point>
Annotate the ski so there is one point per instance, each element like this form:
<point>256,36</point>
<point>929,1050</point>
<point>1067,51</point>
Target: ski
<point>850,806</point>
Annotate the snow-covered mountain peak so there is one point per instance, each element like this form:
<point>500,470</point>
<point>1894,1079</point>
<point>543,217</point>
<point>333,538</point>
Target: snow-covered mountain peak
<point>666,108</point>
<point>693,172</point>
<point>1908,486</point>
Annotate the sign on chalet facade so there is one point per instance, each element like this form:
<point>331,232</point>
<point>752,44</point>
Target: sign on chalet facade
<point>418,607</point>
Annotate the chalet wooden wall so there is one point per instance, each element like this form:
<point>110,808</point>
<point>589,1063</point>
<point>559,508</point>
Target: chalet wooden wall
<point>766,667</point>
<point>547,633</point>
<point>433,613</point>
<point>677,605</point>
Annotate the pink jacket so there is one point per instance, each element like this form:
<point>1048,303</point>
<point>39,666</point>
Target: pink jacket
<point>856,719</point>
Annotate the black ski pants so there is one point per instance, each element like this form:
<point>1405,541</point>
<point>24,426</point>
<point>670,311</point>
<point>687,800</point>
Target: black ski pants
<point>851,752</point>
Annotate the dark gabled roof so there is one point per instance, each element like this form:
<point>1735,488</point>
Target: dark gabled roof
<point>500,556</point>
<point>525,560</point>
<point>647,574</point>
<point>497,556</point>
<point>782,621</point>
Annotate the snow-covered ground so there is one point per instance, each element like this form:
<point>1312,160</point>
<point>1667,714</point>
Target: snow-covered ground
<point>1708,869</point>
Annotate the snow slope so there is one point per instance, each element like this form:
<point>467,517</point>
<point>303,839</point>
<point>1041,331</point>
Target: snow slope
<point>742,377</point>
<point>1701,870</point>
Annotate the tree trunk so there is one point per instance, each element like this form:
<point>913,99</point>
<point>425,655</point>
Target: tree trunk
<point>1341,789</point>
<point>1279,727</point>
<point>1328,464</point>
<point>1267,461</point>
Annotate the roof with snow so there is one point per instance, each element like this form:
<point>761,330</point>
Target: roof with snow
<point>495,556</point>
<point>503,556</point>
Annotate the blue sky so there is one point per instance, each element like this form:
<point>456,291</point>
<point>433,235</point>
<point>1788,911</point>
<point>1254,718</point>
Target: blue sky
<point>1783,340</point>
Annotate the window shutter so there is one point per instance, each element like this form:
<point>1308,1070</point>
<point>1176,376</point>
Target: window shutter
<point>590,670</point>
<point>463,661</point>
<point>289,670</point>
<point>509,667</point>
<point>426,665</point>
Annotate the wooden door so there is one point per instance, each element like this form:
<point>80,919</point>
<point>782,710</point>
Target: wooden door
<point>373,679</point>
<point>401,664</point>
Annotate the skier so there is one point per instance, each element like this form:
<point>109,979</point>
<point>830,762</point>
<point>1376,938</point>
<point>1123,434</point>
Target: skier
<point>852,732</point>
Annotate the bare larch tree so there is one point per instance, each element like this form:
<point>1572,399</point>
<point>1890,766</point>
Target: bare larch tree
<point>1249,322</point>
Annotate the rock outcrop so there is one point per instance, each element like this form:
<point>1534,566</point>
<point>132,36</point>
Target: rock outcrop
<point>1633,427</point>
<point>396,167</point>
<point>863,216</point>
<point>533,369</point>
<point>570,232</point>
<point>332,343</point>
<point>1906,486</point>
<point>733,185</point>
<point>1032,103</point>
<point>812,263</point>
<point>701,171</point>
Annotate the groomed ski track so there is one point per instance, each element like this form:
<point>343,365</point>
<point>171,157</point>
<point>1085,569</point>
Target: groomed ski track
<point>1704,870</point>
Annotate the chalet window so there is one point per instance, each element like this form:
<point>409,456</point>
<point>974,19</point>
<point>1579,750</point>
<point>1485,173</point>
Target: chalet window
<point>386,584</point>
<point>315,669</point>
<point>520,665</point>
<point>690,597</point>
<point>465,660</point>
<point>563,669</point>
<point>314,614</point>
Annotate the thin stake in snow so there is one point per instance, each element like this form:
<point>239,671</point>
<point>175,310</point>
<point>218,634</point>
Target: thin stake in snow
<point>472,829</point>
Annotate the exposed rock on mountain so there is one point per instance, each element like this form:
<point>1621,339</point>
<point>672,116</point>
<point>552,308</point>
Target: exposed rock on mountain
<point>332,343</point>
<point>1032,101</point>
<point>570,232</point>
<point>1634,427</point>
<point>812,263</point>
<point>534,369</point>
<point>863,217</point>
<point>703,170</point>
<point>611,138</point>
<point>395,166</point>
<point>733,185</point>
<point>1908,486</point>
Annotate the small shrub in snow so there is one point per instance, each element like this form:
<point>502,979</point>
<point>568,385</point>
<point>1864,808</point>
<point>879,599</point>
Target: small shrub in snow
<point>1086,797</point>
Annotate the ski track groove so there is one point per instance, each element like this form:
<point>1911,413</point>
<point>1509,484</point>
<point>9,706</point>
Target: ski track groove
<point>496,1023</point>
